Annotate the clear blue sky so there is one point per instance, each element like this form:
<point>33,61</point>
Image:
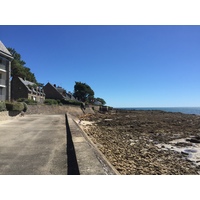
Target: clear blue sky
<point>128,66</point>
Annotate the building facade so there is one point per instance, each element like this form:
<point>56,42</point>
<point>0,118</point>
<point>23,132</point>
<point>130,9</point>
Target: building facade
<point>5,73</point>
<point>25,89</point>
<point>53,92</point>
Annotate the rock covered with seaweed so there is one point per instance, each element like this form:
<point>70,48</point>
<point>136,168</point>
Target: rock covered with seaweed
<point>135,142</point>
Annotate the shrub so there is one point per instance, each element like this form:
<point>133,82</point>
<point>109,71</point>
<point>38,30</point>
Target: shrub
<point>27,101</point>
<point>71,102</point>
<point>16,106</point>
<point>30,102</point>
<point>58,101</point>
<point>2,106</point>
<point>25,107</point>
<point>9,106</point>
<point>50,102</point>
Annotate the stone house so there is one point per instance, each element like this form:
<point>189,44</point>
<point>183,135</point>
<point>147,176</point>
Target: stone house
<point>21,88</point>
<point>53,92</point>
<point>5,73</point>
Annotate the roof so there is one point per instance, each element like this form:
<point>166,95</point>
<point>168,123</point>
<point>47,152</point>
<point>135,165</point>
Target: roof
<point>28,84</point>
<point>59,89</point>
<point>4,50</point>
<point>25,82</point>
<point>97,103</point>
<point>62,92</point>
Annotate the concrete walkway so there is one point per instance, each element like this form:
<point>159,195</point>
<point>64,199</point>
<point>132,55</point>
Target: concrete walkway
<point>34,144</point>
<point>48,144</point>
<point>89,160</point>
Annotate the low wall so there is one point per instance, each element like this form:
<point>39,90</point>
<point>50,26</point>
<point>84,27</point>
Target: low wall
<point>55,109</point>
<point>5,115</point>
<point>84,158</point>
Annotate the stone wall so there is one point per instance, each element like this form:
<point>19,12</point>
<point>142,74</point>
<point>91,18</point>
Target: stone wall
<point>48,110</point>
<point>5,115</point>
<point>55,109</point>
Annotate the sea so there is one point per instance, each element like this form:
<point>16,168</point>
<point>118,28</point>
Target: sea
<point>185,110</point>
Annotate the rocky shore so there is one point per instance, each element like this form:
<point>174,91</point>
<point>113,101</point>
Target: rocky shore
<point>146,142</point>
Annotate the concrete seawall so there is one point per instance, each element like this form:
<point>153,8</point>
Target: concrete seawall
<point>46,110</point>
<point>83,156</point>
<point>55,109</point>
<point>6,115</point>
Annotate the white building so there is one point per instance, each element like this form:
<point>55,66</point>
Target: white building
<point>5,73</point>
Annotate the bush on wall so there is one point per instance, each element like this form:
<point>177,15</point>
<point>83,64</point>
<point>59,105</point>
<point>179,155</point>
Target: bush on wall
<point>25,107</point>
<point>15,106</point>
<point>2,106</point>
<point>27,101</point>
<point>71,102</point>
<point>50,102</point>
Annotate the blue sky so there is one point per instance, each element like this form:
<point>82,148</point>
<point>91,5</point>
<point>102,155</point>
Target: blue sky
<point>128,66</point>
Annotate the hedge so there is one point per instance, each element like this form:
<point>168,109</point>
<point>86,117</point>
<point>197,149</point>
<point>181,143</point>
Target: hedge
<point>50,102</point>
<point>16,106</point>
<point>71,102</point>
<point>2,106</point>
<point>25,107</point>
<point>27,101</point>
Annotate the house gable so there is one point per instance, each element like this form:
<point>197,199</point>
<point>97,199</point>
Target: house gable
<point>51,92</point>
<point>18,89</point>
<point>25,89</point>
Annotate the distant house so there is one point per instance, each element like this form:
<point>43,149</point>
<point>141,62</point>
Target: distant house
<point>21,88</point>
<point>5,73</point>
<point>98,103</point>
<point>53,92</point>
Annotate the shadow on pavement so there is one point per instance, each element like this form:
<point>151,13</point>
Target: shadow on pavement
<point>71,155</point>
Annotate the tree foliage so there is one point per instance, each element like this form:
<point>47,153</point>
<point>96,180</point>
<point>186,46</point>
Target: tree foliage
<point>18,67</point>
<point>101,100</point>
<point>83,92</point>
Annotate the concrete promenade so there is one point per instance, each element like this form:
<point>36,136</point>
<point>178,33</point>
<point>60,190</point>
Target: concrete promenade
<point>48,145</point>
<point>89,160</point>
<point>33,145</point>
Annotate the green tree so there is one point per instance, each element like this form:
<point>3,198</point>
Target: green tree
<point>18,67</point>
<point>101,100</point>
<point>83,92</point>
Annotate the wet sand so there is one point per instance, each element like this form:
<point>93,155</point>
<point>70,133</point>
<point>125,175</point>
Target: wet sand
<point>147,142</point>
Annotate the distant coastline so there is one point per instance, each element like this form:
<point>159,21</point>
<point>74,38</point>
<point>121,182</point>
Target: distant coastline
<point>185,110</point>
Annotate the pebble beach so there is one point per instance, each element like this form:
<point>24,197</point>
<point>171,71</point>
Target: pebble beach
<point>146,142</point>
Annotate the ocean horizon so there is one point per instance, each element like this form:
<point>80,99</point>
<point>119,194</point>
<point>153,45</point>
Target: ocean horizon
<point>185,110</point>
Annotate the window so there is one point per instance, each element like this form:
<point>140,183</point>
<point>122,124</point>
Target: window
<point>1,91</point>
<point>1,61</point>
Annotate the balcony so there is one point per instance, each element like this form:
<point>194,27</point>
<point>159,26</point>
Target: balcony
<point>3,82</point>
<point>2,68</point>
